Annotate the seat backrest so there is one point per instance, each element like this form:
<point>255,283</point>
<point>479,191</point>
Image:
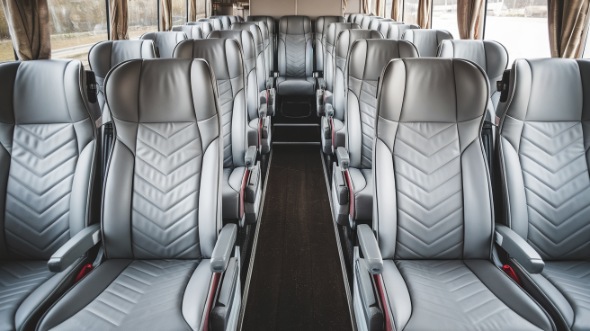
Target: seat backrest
<point>268,44</point>
<point>322,24</point>
<point>432,196</point>
<point>48,159</point>
<point>225,59</point>
<point>366,22</point>
<point>105,55</point>
<point>295,52</point>
<point>394,30</point>
<point>162,189</point>
<point>358,19</point>
<point>330,41</point>
<point>262,66</point>
<point>490,55</point>
<point>272,31</point>
<point>366,61</point>
<point>376,23</point>
<point>247,45</point>
<point>544,156</point>
<point>165,41</point>
<point>351,18</point>
<point>225,20</point>
<point>191,31</point>
<point>206,28</point>
<point>426,40</point>
<point>215,23</point>
<point>345,40</point>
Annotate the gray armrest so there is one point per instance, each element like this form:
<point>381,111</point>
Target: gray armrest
<point>370,249</point>
<point>74,248</point>
<point>321,83</point>
<point>519,249</point>
<point>329,110</point>
<point>250,157</point>
<point>223,248</point>
<point>270,83</point>
<point>343,158</point>
<point>263,110</point>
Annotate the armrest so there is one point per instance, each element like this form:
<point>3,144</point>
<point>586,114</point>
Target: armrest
<point>321,83</point>
<point>74,248</point>
<point>250,157</point>
<point>263,110</point>
<point>343,158</point>
<point>275,74</point>
<point>519,249</point>
<point>370,249</point>
<point>224,304</point>
<point>223,248</point>
<point>270,83</point>
<point>329,110</point>
<point>369,297</point>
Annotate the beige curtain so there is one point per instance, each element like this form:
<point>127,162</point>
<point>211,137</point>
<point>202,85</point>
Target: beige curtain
<point>208,8</point>
<point>119,22</point>
<point>28,22</point>
<point>192,10</point>
<point>424,8</point>
<point>396,10</point>
<point>365,6</point>
<point>344,5</point>
<point>165,15</point>
<point>470,18</point>
<point>568,27</point>
<point>380,8</point>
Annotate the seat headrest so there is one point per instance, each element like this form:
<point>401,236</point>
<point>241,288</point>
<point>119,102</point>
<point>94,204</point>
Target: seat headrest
<point>254,30</point>
<point>191,31</point>
<point>368,57</point>
<point>165,41</point>
<point>457,91</point>
<point>223,55</point>
<point>395,30</point>
<point>427,40</point>
<point>262,26</point>
<point>215,22</point>
<point>294,25</point>
<point>269,20</point>
<point>347,37</point>
<point>334,30</point>
<point>244,39</point>
<point>322,23</point>
<point>105,55</point>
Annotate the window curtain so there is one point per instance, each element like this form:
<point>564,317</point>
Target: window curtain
<point>365,6</point>
<point>380,8</point>
<point>196,9</point>
<point>424,8</point>
<point>344,5</point>
<point>470,18</point>
<point>119,22</point>
<point>397,10</point>
<point>568,27</point>
<point>28,22</point>
<point>165,15</point>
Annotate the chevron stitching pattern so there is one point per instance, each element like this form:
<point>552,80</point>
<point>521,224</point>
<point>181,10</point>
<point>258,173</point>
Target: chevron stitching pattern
<point>226,107</point>
<point>17,281</point>
<point>449,292</point>
<point>557,186</point>
<point>430,198</point>
<point>572,278</point>
<point>368,108</point>
<point>165,193</point>
<point>145,291</point>
<point>296,54</point>
<point>44,158</point>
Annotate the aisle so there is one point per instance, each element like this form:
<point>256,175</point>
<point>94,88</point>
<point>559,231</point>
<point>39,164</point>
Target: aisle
<point>297,281</point>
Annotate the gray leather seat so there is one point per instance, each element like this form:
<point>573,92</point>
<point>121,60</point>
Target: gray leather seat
<point>544,162</point>
<point>272,31</point>
<point>48,163</point>
<point>332,129</point>
<point>376,23</point>
<point>433,212</point>
<point>259,124</point>
<point>206,28</point>
<point>322,25</point>
<point>165,41</point>
<point>325,94</point>
<point>295,57</point>
<point>358,19</point>
<point>367,20</point>
<point>239,159</point>
<point>352,17</point>
<point>366,61</point>
<point>226,21</point>
<point>215,23</point>
<point>492,57</point>
<point>191,31</point>
<point>267,44</point>
<point>427,41</point>
<point>161,216</point>
<point>395,30</point>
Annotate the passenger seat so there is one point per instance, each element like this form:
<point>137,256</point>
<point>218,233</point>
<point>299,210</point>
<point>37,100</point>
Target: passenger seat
<point>427,41</point>
<point>352,189</point>
<point>322,25</point>
<point>215,23</point>
<point>191,31</point>
<point>426,262</point>
<point>395,30</point>
<point>206,28</point>
<point>272,31</point>
<point>241,189</point>
<point>545,169</point>
<point>49,169</point>
<point>295,56</point>
<point>165,41</point>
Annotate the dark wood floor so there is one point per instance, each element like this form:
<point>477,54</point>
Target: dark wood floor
<point>297,281</point>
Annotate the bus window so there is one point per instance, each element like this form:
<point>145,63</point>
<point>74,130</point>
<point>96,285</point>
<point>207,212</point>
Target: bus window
<point>444,16</point>
<point>75,26</point>
<point>143,17</point>
<point>6,51</point>
<point>411,11</point>
<point>179,13</point>
<point>520,25</point>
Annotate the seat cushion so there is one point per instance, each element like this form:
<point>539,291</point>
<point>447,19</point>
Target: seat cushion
<point>231,185</point>
<point>458,295</point>
<point>295,86</point>
<point>362,183</point>
<point>135,295</point>
<point>27,288</point>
